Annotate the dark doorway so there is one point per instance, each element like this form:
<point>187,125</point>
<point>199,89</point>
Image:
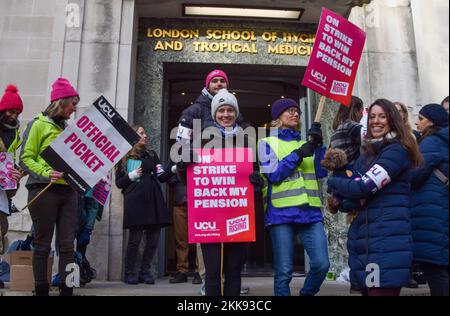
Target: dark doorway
<point>256,88</point>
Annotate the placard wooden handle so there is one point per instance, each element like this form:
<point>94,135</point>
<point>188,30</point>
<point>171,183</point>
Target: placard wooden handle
<point>37,196</point>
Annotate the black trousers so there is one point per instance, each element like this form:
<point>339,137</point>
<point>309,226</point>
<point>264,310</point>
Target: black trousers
<point>234,256</point>
<point>152,233</point>
<point>56,207</point>
<point>437,278</point>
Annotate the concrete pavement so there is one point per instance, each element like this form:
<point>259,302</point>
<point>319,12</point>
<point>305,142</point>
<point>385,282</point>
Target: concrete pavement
<point>259,286</point>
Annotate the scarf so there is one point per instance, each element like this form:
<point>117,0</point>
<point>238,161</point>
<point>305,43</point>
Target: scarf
<point>206,93</point>
<point>389,136</point>
<point>228,131</point>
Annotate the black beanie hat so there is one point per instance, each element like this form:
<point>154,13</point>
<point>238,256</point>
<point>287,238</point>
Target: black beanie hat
<point>436,114</point>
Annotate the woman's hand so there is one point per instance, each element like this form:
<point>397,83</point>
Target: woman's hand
<point>55,175</point>
<point>16,175</point>
<point>135,174</point>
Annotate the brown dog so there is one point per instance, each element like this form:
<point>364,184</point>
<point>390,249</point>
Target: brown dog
<point>335,160</point>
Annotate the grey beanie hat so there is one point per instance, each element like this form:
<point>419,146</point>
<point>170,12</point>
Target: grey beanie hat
<point>223,97</point>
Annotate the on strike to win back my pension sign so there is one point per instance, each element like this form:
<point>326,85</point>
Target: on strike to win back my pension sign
<point>335,58</point>
<point>220,197</point>
<point>87,150</point>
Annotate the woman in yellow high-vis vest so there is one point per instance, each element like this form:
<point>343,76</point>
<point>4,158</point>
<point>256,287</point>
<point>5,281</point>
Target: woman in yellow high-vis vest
<point>292,204</point>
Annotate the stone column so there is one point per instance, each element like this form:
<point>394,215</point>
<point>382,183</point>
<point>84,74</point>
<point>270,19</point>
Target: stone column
<point>97,57</point>
<point>431,19</point>
<point>388,67</point>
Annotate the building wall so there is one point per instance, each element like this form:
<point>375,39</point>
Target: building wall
<point>27,42</point>
<point>407,54</point>
<point>431,21</point>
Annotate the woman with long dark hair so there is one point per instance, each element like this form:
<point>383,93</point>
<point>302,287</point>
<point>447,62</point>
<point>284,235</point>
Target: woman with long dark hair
<point>379,238</point>
<point>144,209</point>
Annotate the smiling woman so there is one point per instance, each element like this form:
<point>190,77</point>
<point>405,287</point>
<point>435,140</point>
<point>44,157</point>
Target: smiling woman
<point>58,205</point>
<point>380,235</point>
<point>292,204</point>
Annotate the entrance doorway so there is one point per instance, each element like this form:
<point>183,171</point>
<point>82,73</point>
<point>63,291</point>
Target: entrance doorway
<point>256,88</point>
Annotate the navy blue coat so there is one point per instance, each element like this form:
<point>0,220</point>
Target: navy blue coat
<point>381,232</point>
<point>429,217</point>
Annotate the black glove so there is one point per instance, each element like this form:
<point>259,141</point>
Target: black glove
<point>307,150</point>
<point>257,180</point>
<point>315,134</point>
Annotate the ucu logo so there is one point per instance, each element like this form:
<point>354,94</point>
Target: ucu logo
<point>318,76</point>
<point>106,108</point>
<point>205,225</point>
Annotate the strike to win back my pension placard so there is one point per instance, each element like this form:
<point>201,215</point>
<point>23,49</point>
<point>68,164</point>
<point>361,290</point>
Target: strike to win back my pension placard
<point>335,58</point>
<point>220,197</point>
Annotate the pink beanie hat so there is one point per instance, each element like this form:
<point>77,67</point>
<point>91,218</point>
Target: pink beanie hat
<point>62,89</point>
<point>11,100</point>
<point>216,73</point>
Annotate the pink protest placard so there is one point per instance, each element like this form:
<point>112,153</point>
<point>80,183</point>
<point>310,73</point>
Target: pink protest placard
<point>6,167</point>
<point>335,57</point>
<point>102,189</point>
<point>220,197</point>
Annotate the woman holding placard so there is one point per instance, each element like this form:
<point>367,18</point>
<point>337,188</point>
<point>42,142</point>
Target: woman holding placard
<point>144,208</point>
<point>223,261</point>
<point>58,204</point>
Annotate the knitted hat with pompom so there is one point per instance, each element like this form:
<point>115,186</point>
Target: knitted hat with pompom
<point>11,100</point>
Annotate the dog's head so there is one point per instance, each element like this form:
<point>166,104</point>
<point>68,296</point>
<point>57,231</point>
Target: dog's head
<point>334,159</point>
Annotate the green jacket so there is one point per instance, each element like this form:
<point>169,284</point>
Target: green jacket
<point>40,133</point>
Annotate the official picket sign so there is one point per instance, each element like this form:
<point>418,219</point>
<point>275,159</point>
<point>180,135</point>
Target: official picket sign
<point>220,197</point>
<point>87,150</point>
<point>335,58</point>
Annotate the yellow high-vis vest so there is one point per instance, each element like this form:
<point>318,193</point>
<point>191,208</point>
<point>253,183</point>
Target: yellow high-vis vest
<point>301,187</point>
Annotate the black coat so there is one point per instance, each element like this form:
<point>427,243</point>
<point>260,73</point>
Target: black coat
<point>144,202</point>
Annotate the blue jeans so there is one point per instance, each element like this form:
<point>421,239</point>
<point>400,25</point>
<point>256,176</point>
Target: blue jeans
<point>315,242</point>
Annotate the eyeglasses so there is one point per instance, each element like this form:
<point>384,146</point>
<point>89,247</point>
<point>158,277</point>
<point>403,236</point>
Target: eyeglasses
<point>293,111</point>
